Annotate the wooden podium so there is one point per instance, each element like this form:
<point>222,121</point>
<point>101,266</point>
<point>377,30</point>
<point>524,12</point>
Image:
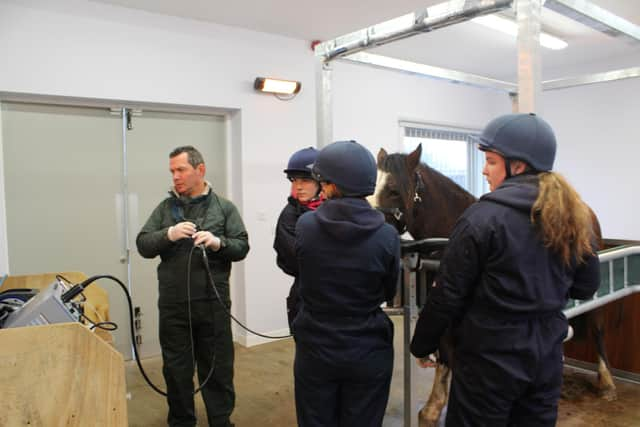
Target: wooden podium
<point>60,375</point>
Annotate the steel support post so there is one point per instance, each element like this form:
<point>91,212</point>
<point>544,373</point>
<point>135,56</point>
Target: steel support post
<point>529,68</point>
<point>324,104</point>
<point>410,263</point>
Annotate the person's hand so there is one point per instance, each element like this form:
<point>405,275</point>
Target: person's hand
<point>181,230</point>
<point>427,362</point>
<point>207,239</point>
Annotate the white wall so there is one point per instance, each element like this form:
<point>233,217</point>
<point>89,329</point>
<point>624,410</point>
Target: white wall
<point>368,104</point>
<point>598,149</point>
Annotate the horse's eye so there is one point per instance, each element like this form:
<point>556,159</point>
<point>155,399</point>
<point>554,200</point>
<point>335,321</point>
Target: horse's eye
<point>393,191</point>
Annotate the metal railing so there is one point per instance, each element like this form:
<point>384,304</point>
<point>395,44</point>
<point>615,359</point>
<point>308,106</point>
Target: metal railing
<point>619,277</point>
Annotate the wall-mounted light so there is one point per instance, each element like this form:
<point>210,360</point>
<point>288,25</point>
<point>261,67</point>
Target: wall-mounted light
<point>277,86</point>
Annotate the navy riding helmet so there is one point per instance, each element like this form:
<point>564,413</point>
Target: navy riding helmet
<point>348,165</point>
<point>523,137</point>
<point>300,163</point>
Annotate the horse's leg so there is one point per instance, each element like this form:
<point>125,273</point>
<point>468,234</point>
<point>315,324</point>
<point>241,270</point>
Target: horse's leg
<point>429,415</point>
<point>606,386</point>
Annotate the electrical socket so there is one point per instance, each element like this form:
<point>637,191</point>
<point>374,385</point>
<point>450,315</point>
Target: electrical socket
<point>137,324</point>
<point>138,339</point>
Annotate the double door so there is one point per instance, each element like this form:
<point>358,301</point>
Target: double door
<point>79,184</point>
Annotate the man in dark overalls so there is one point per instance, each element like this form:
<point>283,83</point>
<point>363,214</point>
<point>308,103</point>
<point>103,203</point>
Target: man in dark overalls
<point>195,328</point>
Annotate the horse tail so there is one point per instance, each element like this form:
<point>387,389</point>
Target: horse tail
<point>566,222</point>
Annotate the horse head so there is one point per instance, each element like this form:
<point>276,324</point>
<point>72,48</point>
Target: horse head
<point>416,198</point>
<point>396,185</point>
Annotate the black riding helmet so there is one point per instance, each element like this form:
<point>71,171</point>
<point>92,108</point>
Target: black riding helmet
<point>348,165</point>
<point>300,163</point>
<point>525,137</point>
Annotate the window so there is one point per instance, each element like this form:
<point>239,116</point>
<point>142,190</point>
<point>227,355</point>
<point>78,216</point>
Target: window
<point>451,152</point>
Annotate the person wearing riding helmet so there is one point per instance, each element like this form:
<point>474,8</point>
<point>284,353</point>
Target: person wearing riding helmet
<point>304,196</point>
<point>349,261</point>
<point>513,260</point>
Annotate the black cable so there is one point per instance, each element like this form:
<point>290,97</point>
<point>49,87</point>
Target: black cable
<point>61,278</point>
<point>227,309</point>
<point>77,289</point>
<point>80,287</point>
<point>105,326</point>
<point>193,357</point>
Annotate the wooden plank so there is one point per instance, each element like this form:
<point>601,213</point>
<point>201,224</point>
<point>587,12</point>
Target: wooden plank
<point>60,375</point>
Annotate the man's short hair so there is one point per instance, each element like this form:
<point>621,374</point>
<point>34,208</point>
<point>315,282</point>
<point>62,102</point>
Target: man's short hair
<point>193,155</point>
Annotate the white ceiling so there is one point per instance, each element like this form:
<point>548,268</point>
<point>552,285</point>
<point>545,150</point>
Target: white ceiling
<point>465,47</point>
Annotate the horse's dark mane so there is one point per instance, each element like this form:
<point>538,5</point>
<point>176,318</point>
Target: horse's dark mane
<point>436,177</point>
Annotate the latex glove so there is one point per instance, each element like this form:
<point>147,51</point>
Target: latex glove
<point>207,239</point>
<point>427,362</point>
<point>181,230</point>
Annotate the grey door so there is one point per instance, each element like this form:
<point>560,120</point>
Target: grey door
<point>65,186</point>
<point>153,137</point>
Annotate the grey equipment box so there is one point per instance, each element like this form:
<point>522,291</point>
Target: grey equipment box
<point>43,309</point>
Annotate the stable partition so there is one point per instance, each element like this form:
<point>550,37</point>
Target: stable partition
<point>60,374</point>
<point>619,295</point>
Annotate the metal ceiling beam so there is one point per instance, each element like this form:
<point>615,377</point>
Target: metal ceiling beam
<point>627,73</point>
<point>595,17</point>
<point>474,80</point>
<point>324,102</point>
<point>421,21</point>
<point>415,68</point>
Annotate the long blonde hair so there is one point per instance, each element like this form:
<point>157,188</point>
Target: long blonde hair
<point>567,224</point>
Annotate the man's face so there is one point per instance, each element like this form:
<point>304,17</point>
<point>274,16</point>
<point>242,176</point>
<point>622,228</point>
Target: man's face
<point>494,169</point>
<point>187,180</point>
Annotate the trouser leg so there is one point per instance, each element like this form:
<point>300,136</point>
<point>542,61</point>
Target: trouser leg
<point>365,390</point>
<point>177,365</point>
<point>214,344</point>
<point>316,391</point>
<point>477,397</point>
<point>538,407</point>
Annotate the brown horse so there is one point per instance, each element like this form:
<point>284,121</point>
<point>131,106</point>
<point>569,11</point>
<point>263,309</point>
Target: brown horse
<point>427,204</point>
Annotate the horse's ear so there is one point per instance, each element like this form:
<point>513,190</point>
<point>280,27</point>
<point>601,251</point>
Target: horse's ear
<point>413,158</point>
<point>382,155</point>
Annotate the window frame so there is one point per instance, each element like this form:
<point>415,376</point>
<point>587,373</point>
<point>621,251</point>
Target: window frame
<point>476,184</point>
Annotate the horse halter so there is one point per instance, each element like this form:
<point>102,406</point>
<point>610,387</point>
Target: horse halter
<point>397,213</point>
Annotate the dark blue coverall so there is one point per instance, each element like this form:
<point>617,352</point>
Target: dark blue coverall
<point>348,264</point>
<point>284,244</point>
<point>503,292</point>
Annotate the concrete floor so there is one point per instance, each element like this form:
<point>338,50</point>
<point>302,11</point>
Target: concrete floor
<point>264,392</point>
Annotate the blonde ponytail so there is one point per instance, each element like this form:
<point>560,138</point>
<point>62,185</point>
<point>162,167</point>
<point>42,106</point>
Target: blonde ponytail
<point>567,224</point>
